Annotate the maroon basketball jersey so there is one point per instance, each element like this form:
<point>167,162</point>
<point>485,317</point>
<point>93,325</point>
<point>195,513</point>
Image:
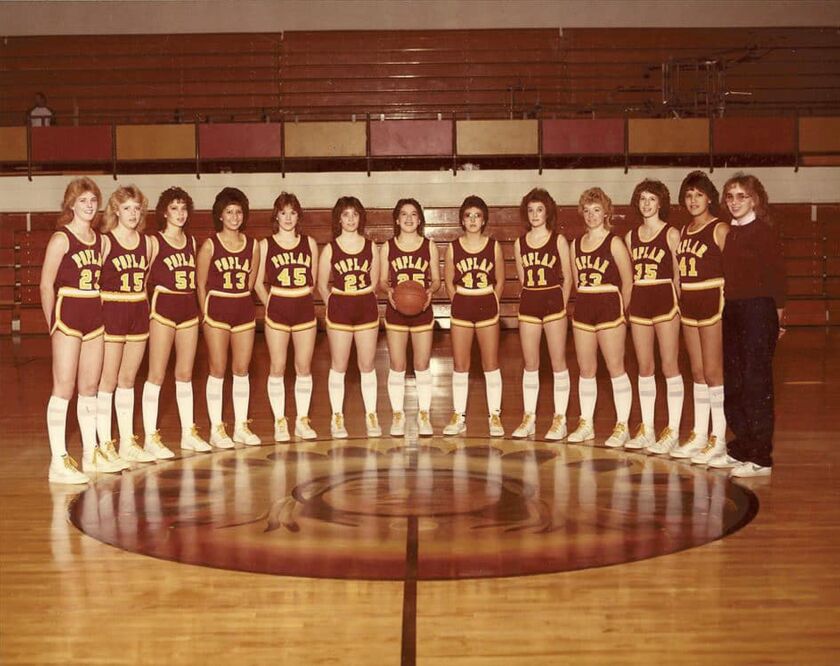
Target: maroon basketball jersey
<point>698,255</point>
<point>81,266</point>
<point>404,265</point>
<point>173,267</point>
<point>351,272</point>
<point>289,269</point>
<point>652,259</point>
<point>475,270</point>
<point>229,270</point>
<point>541,264</point>
<point>125,270</point>
<point>597,267</point>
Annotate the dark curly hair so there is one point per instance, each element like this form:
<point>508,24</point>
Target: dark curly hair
<point>656,188</point>
<point>539,195</point>
<point>343,204</point>
<point>474,201</point>
<point>230,196</point>
<point>698,180</point>
<point>169,195</point>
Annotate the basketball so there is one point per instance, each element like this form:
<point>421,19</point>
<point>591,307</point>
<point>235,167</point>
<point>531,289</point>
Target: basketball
<point>410,297</point>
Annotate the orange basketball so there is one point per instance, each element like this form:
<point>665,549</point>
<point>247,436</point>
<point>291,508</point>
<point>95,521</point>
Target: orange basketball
<point>410,297</point>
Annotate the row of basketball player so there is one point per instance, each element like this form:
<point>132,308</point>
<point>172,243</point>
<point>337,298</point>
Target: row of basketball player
<point>94,294</point>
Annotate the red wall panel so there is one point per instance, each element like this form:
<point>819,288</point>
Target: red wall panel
<point>583,137</point>
<point>410,137</point>
<point>239,140</point>
<point>71,144</point>
<point>755,135</point>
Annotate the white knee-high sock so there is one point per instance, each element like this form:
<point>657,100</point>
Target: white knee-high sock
<point>623,397</point>
<point>336,390</point>
<point>241,397</point>
<point>676,395</point>
<point>103,416</point>
<point>460,389</point>
<point>151,398</point>
<point>184,398</point>
<point>303,394</point>
<point>493,389</point>
<point>277,396</point>
<point>124,406</point>
<point>718,416</point>
<point>369,392</point>
<point>530,390</point>
<point>213,393</point>
<point>57,425</point>
<point>423,380</point>
<point>588,395</point>
<point>396,390</point>
<point>86,413</point>
<point>562,388</point>
<point>701,409</point>
<point>647,399</point>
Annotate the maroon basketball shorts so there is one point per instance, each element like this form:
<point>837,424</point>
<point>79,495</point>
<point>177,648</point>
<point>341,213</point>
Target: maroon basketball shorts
<point>126,317</point>
<point>352,311</point>
<point>475,308</point>
<point>598,308</point>
<point>78,313</point>
<point>397,321</point>
<point>230,312</point>
<point>701,303</point>
<point>176,309</point>
<point>653,302</point>
<point>290,309</point>
<point>540,306</point>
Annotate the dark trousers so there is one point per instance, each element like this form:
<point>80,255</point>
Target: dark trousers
<point>750,331</point>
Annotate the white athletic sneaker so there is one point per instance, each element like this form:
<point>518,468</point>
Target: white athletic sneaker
<point>219,437</point>
<point>749,469</point>
<point>65,470</point>
<point>527,427</point>
<point>192,441</point>
<point>303,429</point>
<point>619,436</point>
<point>583,433</point>
<point>558,429</point>
<point>156,447</point>
<point>98,462</point>
<point>109,449</point>
<point>281,430</point>
<point>131,451</point>
<point>713,449</point>
<point>372,425</point>
<point>424,424</point>
<point>398,425</point>
<point>457,425</point>
<point>242,434</point>
<point>668,439</point>
<point>725,462</point>
<point>496,427</point>
<point>690,447</point>
<point>337,429</point>
<point>643,438</point>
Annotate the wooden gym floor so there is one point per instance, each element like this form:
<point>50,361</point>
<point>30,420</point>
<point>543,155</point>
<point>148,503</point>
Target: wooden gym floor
<point>437,551</point>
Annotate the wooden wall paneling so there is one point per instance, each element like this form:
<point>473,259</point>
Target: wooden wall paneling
<point>12,144</point>
<point>325,139</point>
<point>668,136</point>
<point>155,142</point>
<point>497,137</point>
<point>807,312</point>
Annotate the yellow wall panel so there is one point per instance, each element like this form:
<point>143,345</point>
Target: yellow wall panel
<point>325,139</point>
<point>680,137</point>
<point>155,142</point>
<point>819,135</point>
<point>498,137</point>
<point>12,144</point>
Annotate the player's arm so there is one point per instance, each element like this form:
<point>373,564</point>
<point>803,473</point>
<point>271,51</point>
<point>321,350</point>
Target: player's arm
<point>202,268</point>
<point>499,287</point>
<point>625,269</point>
<point>517,257</point>
<point>255,267</point>
<point>384,285</point>
<point>259,285</point>
<point>564,251</point>
<point>449,272</point>
<point>324,273</point>
<point>434,273</point>
<point>56,249</point>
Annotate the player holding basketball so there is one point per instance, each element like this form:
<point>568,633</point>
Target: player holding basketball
<point>125,311</point>
<point>174,316</point>
<point>226,270</point>
<point>351,264</point>
<point>289,265</point>
<point>700,260</point>
<point>654,312</point>
<point>70,300</point>
<point>543,265</point>
<point>474,275</point>
<point>409,256</point>
<point>603,273</point>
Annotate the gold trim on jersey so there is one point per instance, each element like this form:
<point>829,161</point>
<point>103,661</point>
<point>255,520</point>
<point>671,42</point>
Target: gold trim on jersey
<point>554,286</point>
<point>290,329</point>
<point>402,328</point>
<point>167,290</point>
<point>291,292</point>
<point>78,293</point>
<point>358,292</point>
<point>647,282</point>
<point>481,291</point>
<point>220,324</point>
<point>700,286</point>
<point>123,297</point>
<point>165,320</point>
<point>602,289</point>
<point>479,324</point>
<point>599,289</point>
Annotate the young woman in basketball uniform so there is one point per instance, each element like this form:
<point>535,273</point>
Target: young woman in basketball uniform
<point>226,270</point>
<point>603,273</point>
<point>289,265</point>
<point>654,312</point>
<point>543,265</point>
<point>174,316</point>
<point>754,269</point>
<point>409,256</point>
<point>700,261</point>
<point>70,300</point>
<point>475,277</point>
<point>351,264</point>
<point>125,311</point>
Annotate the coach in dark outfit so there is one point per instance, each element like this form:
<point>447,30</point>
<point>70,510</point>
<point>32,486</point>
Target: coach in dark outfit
<point>754,271</point>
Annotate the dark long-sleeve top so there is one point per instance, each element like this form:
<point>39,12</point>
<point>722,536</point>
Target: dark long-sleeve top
<point>753,264</point>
